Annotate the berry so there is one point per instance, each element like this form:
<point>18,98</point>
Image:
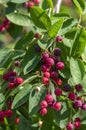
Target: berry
<point>57,106</point>
<point>45,55</point>
<point>66,87</point>
<point>55,59</point>
<point>43,111</point>
<point>18,81</point>
<point>83,106</point>
<point>37,35</point>
<point>37,2</point>
<point>57,51</point>
<point>2,114</point>
<point>44,68</point>
<point>69,126</point>
<point>46,74</point>
<point>58,81</point>
<point>25,4</point>
<point>17,120</point>
<point>11,85</point>
<point>60,65</point>
<point>77,124</point>
<point>77,104</point>
<point>72,96</point>
<point>49,98</point>
<point>58,91</point>
<point>53,75</point>
<point>16,63</point>
<point>8,113</point>
<point>59,39</point>
<point>37,48</point>
<point>30,4</point>
<point>77,119</point>
<point>78,87</point>
<point>9,104</point>
<point>49,61</point>
<point>45,80</point>
<point>43,104</point>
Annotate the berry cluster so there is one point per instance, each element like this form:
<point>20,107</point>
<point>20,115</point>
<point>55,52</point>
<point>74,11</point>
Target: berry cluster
<point>5,25</point>
<point>32,3</point>
<point>49,102</point>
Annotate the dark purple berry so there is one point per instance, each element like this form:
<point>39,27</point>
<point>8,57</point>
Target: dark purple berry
<point>72,96</point>
<point>58,92</point>
<point>66,87</point>
<point>37,48</point>
<point>78,87</point>
<point>57,52</point>
<point>77,104</point>
<point>53,75</point>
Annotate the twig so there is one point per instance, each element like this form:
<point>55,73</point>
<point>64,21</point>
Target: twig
<point>57,6</point>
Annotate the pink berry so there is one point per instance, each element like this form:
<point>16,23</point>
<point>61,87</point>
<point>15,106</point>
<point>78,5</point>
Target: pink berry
<point>16,63</point>
<point>8,113</point>
<point>37,2</point>
<point>17,120</point>
<point>49,61</point>
<point>58,81</point>
<point>11,85</point>
<point>30,4</point>
<point>53,75</point>
<point>72,96</point>
<point>45,80</point>
<point>83,106</point>
<point>49,98</point>
<point>60,65</point>
<point>58,92</point>
<point>59,39</point>
<point>25,4</point>
<point>77,104</point>
<point>18,81</point>
<point>77,124</point>
<point>69,126</point>
<point>43,111</point>
<point>44,68</point>
<point>43,104</point>
<point>57,106</point>
<point>37,35</point>
<point>78,87</point>
<point>46,74</point>
<point>45,55</point>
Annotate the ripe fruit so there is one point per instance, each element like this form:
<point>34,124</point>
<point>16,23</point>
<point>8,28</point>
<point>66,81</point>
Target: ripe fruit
<point>58,92</point>
<point>77,104</point>
<point>78,87</point>
<point>66,87</point>
<point>49,61</point>
<point>53,75</point>
<point>49,98</point>
<point>83,106</point>
<point>11,85</point>
<point>46,74</point>
<point>44,68</point>
<point>45,55</point>
<point>18,81</point>
<point>45,80</point>
<point>57,106</point>
<point>59,39</point>
<point>43,104</point>
<point>43,111</point>
<point>37,35</point>
<point>17,120</point>
<point>37,2</point>
<point>69,126</point>
<point>60,65</point>
<point>72,96</point>
<point>8,113</point>
<point>58,81</point>
<point>30,4</point>
<point>77,124</point>
<point>37,49</point>
<point>57,51</point>
<point>16,63</point>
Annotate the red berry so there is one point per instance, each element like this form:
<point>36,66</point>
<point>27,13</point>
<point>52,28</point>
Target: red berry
<point>43,111</point>
<point>77,119</point>
<point>45,55</point>
<point>78,87</point>
<point>30,4</point>
<point>69,126</point>
<point>46,74</point>
<point>45,80</point>
<point>58,81</point>
<point>77,104</point>
<point>18,81</point>
<point>72,96</point>
<point>49,98</point>
<point>2,114</point>
<point>11,85</point>
<point>58,92</point>
<point>16,63</point>
<point>60,65</point>
<point>44,68</point>
<point>83,106</point>
<point>17,120</point>
<point>57,106</point>
<point>1,120</point>
<point>8,113</point>
<point>37,35</point>
<point>37,2</point>
<point>53,75</point>
<point>49,61</point>
<point>59,39</point>
<point>43,104</point>
<point>77,124</point>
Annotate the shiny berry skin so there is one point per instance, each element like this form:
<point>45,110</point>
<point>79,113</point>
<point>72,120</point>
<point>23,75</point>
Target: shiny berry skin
<point>60,65</point>
<point>37,2</point>
<point>45,80</point>
<point>53,75</point>
<point>72,96</point>
<point>58,81</point>
<point>43,103</point>
<point>18,81</point>
<point>77,104</point>
<point>16,63</point>
<point>11,85</point>
<point>78,87</point>
<point>43,111</point>
<point>30,4</point>
<point>44,68</point>
<point>66,87</point>
<point>77,119</point>
<point>69,126</point>
<point>37,35</point>
<point>8,113</point>
<point>57,51</point>
<point>58,91</point>
<point>59,39</point>
<point>83,106</point>
<point>46,74</point>
<point>49,61</point>
<point>45,55</point>
<point>17,120</point>
<point>77,124</point>
<point>49,98</point>
<point>57,106</point>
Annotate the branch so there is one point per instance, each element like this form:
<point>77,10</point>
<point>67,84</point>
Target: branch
<point>57,6</point>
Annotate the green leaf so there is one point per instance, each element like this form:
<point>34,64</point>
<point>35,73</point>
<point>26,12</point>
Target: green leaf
<point>19,19</point>
<point>2,98</point>
<point>83,82</point>
<point>31,59</point>
<point>35,98</point>
<point>80,4</point>
<point>68,24</point>
<point>50,3</point>
<point>77,70</point>
<point>21,97</point>
<point>55,28</point>
<point>18,1</point>
<point>79,43</point>
<point>40,18</point>
<point>61,15</point>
